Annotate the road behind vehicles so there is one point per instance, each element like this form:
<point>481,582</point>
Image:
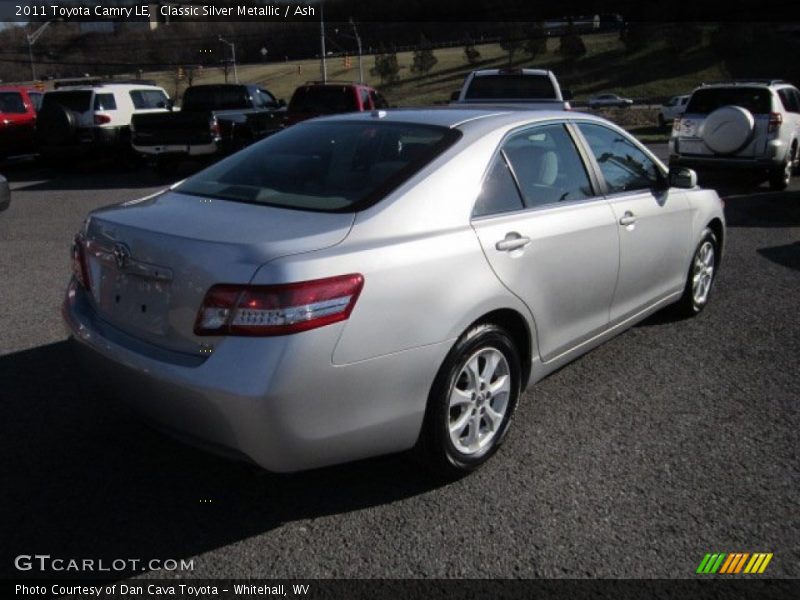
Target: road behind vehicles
<point>609,100</point>
<point>748,126</point>
<point>94,119</point>
<point>316,98</point>
<point>5,194</point>
<point>365,284</point>
<point>214,120</point>
<point>524,88</point>
<point>672,109</point>
<point>18,106</point>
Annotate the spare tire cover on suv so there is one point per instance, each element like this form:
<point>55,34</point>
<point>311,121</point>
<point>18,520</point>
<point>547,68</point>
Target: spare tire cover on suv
<point>727,129</point>
<point>56,124</point>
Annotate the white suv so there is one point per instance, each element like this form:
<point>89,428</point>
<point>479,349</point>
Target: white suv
<point>748,125</point>
<point>671,110</point>
<point>94,119</point>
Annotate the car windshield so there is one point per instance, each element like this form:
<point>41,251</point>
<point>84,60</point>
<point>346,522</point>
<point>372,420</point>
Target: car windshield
<point>79,101</point>
<point>511,87</point>
<point>213,97</point>
<point>339,166</point>
<point>756,100</point>
<point>323,99</point>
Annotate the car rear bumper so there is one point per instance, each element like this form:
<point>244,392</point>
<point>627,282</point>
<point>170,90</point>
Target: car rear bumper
<point>179,149</point>
<point>772,158</point>
<point>88,142</point>
<point>279,401</point>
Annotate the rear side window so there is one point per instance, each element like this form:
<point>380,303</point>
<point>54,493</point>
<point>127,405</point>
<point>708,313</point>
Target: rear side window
<point>547,166</point>
<point>499,192</point>
<point>789,99</point>
<point>36,99</point>
<point>78,101</point>
<point>323,100</point>
<point>704,101</point>
<point>624,166</point>
<point>340,166</point>
<point>148,99</point>
<point>511,87</point>
<point>11,102</point>
<point>105,102</point>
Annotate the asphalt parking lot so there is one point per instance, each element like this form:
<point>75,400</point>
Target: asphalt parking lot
<point>673,440</point>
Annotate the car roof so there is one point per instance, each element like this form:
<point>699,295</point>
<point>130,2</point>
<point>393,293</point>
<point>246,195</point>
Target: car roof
<point>485,72</point>
<point>19,88</point>
<point>480,120</point>
<point>107,87</point>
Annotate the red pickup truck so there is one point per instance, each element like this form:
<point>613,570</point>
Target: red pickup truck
<point>18,106</point>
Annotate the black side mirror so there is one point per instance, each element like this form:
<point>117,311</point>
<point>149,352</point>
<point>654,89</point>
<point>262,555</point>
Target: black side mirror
<point>682,177</point>
<point>454,96</point>
<point>170,104</point>
<point>567,94</point>
<point>281,103</point>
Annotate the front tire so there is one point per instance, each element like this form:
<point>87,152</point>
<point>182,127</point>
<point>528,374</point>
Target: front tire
<point>701,277</point>
<point>471,402</point>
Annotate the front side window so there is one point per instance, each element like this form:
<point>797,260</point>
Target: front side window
<point>378,101</point>
<point>624,166</point>
<point>547,166</point>
<point>36,99</point>
<point>335,166</point>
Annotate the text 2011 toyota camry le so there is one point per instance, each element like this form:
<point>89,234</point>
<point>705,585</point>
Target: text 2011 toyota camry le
<point>366,284</point>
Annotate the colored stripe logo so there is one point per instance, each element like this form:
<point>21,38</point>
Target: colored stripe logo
<point>734,563</point>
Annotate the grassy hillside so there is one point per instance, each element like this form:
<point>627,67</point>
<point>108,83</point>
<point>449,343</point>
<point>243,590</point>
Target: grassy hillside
<point>653,72</point>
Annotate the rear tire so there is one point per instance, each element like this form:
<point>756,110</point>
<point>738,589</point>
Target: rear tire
<point>471,402</point>
<point>780,178</point>
<point>701,276</point>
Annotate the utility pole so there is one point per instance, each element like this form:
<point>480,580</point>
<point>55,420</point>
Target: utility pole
<point>360,58</point>
<point>32,37</point>
<point>322,40</point>
<point>233,56</point>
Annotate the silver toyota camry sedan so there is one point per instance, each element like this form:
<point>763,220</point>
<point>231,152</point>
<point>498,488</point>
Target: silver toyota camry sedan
<point>365,284</point>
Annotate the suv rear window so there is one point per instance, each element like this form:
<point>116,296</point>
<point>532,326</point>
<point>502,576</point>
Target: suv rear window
<point>757,100</point>
<point>215,97</point>
<point>510,86</point>
<point>78,101</point>
<point>340,166</point>
<point>11,102</point>
<point>323,99</point>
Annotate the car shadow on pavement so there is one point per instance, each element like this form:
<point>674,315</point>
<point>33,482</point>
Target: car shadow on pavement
<point>84,478</point>
<point>767,209</point>
<point>786,256</point>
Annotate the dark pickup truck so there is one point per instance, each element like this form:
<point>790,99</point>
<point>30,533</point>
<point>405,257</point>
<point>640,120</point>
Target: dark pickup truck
<point>213,120</point>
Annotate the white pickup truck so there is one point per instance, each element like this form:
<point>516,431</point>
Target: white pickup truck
<point>523,88</point>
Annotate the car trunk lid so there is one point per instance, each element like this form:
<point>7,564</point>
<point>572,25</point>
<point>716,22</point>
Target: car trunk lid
<point>151,262</point>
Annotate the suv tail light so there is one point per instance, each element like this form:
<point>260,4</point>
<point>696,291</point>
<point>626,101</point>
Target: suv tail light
<point>79,267</point>
<point>101,119</point>
<point>268,310</point>
<point>775,121</point>
<point>213,127</point>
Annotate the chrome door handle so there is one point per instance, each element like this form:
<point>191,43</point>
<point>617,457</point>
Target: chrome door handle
<point>628,218</point>
<point>512,241</point>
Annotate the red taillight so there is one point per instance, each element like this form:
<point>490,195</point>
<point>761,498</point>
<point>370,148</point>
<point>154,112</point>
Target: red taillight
<point>79,267</point>
<point>266,310</point>
<point>213,127</point>
<point>775,121</point>
<point>101,119</point>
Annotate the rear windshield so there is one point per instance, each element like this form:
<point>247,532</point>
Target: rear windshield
<point>329,167</point>
<point>757,100</point>
<point>511,86</point>
<point>11,102</point>
<point>323,100</point>
<point>79,101</point>
<point>215,98</point>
